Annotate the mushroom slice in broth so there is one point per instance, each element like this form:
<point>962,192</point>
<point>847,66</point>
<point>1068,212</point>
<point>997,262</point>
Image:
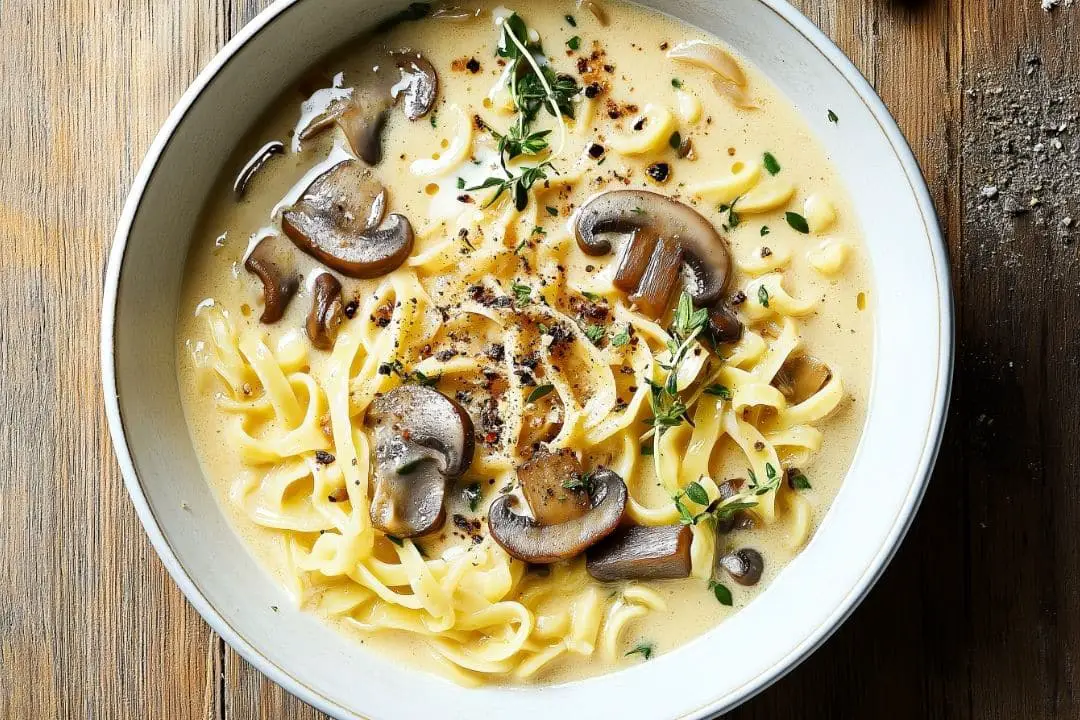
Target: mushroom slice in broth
<point>667,239</point>
<point>554,487</point>
<point>272,262</point>
<point>800,377</point>
<point>337,221</point>
<point>422,439</point>
<point>326,313</point>
<point>642,553</point>
<point>528,540</point>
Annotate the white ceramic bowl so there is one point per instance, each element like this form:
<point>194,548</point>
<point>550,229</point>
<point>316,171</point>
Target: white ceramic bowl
<point>912,371</point>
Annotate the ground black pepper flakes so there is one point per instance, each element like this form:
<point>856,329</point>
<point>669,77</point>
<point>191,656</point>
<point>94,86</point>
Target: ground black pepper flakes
<point>324,458</point>
<point>659,172</point>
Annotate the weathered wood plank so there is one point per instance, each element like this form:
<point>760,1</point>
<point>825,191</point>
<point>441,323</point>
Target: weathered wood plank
<point>89,622</point>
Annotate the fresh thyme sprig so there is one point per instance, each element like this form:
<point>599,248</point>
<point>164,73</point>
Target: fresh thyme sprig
<point>717,509</point>
<point>532,87</point>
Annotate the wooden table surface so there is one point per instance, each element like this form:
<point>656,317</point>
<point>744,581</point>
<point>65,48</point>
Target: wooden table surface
<point>977,617</point>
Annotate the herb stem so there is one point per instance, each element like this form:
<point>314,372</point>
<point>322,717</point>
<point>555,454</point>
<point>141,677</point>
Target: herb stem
<point>550,94</point>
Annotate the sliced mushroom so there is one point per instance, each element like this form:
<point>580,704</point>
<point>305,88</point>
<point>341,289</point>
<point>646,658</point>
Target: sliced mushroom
<point>528,540</point>
<point>544,480</point>
<point>326,312</point>
<point>337,221</point>
<point>422,440</point>
<point>724,323</point>
<point>363,128</point>
<point>642,553</point>
<point>745,566</point>
<point>361,112</point>
<point>800,377</point>
<point>272,262</point>
<point>253,165</point>
<point>706,258</point>
<point>405,74</point>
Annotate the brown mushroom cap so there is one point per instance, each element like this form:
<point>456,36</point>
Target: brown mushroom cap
<point>706,258</point>
<point>271,261</point>
<point>724,324</point>
<point>642,553</point>
<point>326,313</point>
<point>405,74</point>
<point>745,566</point>
<point>542,480</point>
<point>800,377</point>
<point>422,440</point>
<point>337,221</point>
<point>527,540</point>
<point>253,165</point>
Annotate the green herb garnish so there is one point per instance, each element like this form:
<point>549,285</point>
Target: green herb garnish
<point>770,163</point>
<point>675,141</point>
<point>798,222</point>
<point>645,650</point>
<point>571,21</point>
<point>595,333</point>
<point>695,492</point>
<point>583,482</point>
<point>522,293</point>
<point>539,391</point>
<point>798,480</point>
<point>719,391</point>
<point>763,296</point>
<point>723,595</point>
<point>574,43</point>
<point>765,230</point>
<point>621,338</point>
<point>676,83</point>
<point>553,212</point>
<point>833,117</point>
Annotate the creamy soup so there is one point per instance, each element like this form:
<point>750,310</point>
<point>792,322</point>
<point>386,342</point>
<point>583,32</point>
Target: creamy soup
<point>527,343</point>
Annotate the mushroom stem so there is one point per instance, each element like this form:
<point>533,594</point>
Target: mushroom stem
<point>642,553</point>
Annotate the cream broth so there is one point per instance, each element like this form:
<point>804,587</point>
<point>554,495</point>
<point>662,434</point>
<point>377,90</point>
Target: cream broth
<point>627,60</point>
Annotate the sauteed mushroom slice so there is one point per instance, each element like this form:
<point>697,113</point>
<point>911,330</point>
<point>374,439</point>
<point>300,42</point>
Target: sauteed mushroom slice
<point>528,540</point>
<point>254,164</point>
<point>419,83</point>
<point>745,566</point>
<point>724,323</point>
<point>642,553</point>
<point>423,439</point>
<point>405,74</point>
<point>326,313</point>
<point>800,377</point>
<point>554,487</point>
<point>337,221</point>
<point>271,261</point>
<point>706,260</point>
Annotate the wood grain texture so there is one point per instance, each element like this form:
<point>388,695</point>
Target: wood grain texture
<point>977,617</point>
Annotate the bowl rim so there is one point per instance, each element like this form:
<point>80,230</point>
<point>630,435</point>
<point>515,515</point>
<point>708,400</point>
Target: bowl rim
<point>904,518</point>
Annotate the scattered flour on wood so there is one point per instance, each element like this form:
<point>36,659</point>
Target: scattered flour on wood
<point>1022,148</point>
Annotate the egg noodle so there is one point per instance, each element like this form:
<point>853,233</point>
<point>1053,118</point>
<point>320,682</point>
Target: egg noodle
<point>301,435</point>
